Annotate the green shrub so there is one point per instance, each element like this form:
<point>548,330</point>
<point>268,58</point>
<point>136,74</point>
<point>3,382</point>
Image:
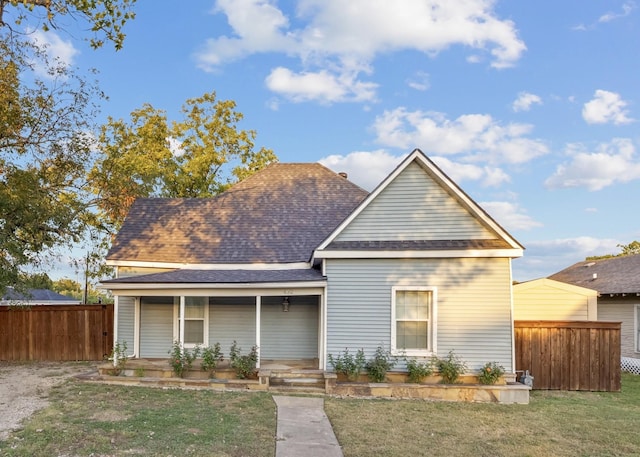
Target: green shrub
<point>243,365</point>
<point>490,373</point>
<point>349,365</point>
<point>182,359</point>
<point>419,370</point>
<point>381,362</point>
<point>119,357</point>
<point>210,358</point>
<point>450,368</point>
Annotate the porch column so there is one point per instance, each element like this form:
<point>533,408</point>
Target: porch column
<point>136,327</point>
<point>181,320</point>
<point>258,311</point>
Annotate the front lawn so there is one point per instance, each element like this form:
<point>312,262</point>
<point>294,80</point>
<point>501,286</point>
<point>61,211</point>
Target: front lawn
<point>104,420</point>
<point>553,424</point>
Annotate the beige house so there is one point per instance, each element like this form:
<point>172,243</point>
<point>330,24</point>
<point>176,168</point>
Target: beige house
<point>549,300</point>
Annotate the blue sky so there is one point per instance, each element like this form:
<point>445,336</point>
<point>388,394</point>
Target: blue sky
<point>531,107</point>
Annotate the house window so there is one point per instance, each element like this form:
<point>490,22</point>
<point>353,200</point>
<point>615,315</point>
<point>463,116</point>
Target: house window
<point>195,313</point>
<point>413,323</point>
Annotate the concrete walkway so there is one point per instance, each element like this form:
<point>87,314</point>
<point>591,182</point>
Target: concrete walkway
<point>304,429</point>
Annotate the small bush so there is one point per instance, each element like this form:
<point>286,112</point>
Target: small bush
<point>182,359</point>
<point>450,368</point>
<point>243,365</point>
<point>119,357</point>
<point>490,373</point>
<point>349,365</point>
<point>210,358</point>
<point>419,370</point>
<point>378,366</point>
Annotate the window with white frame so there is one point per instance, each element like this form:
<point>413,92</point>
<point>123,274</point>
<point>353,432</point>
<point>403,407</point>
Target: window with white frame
<point>413,320</point>
<point>194,320</point>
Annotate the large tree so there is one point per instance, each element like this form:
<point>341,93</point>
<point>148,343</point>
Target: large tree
<point>198,156</point>
<point>45,141</point>
<point>105,18</point>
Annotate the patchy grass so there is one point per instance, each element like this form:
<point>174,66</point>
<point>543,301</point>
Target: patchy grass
<point>553,424</point>
<point>101,420</point>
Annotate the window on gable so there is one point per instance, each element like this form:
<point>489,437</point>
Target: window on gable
<point>413,320</point>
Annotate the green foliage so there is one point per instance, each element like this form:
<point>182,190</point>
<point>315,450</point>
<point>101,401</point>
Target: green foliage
<point>450,368</point>
<point>199,156</point>
<point>182,359</point>
<point>348,364</point>
<point>625,249</point>
<point>119,357</point>
<point>44,149</point>
<point>381,362</point>
<point>490,373</point>
<point>418,371</point>
<point>210,358</point>
<point>243,365</point>
<point>106,18</point>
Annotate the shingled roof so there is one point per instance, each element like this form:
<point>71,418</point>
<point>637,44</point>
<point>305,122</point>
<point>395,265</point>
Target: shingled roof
<point>278,215</point>
<point>615,275</point>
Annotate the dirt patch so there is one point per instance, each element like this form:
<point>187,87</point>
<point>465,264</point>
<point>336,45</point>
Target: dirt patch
<point>24,388</point>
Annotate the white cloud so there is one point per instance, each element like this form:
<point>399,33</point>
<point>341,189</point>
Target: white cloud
<point>321,86</point>
<point>606,107</point>
<point>420,81</point>
<point>627,8</point>
<point>459,172</point>
<point>364,168</point>
<point>345,38</point>
<point>58,50</point>
<point>611,163</point>
<point>525,100</point>
<point>477,136</point>
<point>510,215</point>
<point>546,257</point>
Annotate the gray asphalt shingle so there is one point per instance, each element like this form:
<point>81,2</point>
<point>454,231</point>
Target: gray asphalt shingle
<point>615,275</point>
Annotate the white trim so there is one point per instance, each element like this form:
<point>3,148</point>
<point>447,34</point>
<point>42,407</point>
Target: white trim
<point>322,359</point>
<point>209,266</point>
<point>454,253</point>
<point>258,324</point>
<point>115,321</point>
<point>136,327</point>
<point>444,181</point>
<point>181,320</point>
<point>512,316</point>
<point>433,322</point>
<point>213,288</point>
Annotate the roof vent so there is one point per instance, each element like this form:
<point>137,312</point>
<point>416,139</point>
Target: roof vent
<point>590,264</point>
<point>343,174</point>
<point>595,276</point>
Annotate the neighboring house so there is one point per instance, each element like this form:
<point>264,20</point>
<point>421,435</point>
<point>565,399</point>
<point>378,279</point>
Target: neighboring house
<point>34,297</point>
<point>617,280</point>
<point>302,263</point>
<point>549,300</point>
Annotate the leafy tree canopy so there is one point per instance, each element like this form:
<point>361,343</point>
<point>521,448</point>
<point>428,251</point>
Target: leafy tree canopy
<point>45,143</point>
<point>199,156</point>
<point>106,18</point>
<point>625,249</point>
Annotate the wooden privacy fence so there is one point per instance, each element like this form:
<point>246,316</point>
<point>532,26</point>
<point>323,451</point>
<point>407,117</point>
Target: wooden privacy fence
<point>56,332</point>
<point>569,355</point>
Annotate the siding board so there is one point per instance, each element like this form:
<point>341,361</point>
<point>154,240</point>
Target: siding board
<point>156,330</point>
<point>474,305</point>
<point>414,207</point>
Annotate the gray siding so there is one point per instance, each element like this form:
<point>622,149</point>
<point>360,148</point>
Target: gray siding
<point>156,330</point>
<point>291,335</point>
<point>414,207</point>
<point>125,324</point>
<point>232,319</point>
<point>473,307</point>
<point>621,311</point>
